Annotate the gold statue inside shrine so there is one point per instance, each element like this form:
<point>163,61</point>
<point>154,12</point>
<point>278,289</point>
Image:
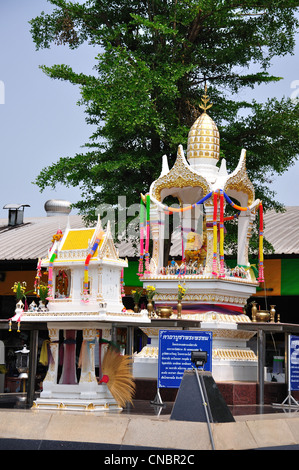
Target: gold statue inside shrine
<point>196,247</point>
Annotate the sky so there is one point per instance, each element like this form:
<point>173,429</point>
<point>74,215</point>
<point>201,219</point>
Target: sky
<point>41,122</point>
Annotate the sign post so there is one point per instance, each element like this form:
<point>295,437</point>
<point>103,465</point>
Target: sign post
<point>293,371</point>
<point>175,347</point>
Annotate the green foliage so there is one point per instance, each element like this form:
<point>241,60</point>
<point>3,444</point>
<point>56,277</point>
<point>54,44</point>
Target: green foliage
<point>152,60</point>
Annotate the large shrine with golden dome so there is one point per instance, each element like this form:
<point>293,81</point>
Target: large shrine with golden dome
<point>214,292</point>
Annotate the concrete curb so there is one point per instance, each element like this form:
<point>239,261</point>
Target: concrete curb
<point>154,432</point>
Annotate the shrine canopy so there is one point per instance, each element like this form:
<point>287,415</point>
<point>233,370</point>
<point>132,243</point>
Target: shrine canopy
<point>202,187</point>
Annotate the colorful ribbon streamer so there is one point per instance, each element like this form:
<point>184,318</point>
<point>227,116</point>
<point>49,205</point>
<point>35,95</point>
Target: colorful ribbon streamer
<point>218,193</point>
<point>37,277</point>
<point>221,230</point>
<point>146,254</point>
<point>17,318</point>
<point>50,275</point>
<point>215,205</point>
<point>261,243</point>
<point>122,283</point>
<point>87,260</point>
<point>235,206</point>
<point>141,228</point>
<point>170,210</point>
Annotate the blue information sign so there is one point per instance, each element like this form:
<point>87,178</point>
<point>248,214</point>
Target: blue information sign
<point>293,362</point>
<point>175,347</point>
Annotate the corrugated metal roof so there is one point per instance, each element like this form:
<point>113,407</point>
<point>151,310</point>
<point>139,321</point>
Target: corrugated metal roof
<point>282,230</point>
<point>32,239</point>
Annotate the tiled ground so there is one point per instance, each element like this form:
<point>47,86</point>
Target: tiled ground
<point>148,408</point>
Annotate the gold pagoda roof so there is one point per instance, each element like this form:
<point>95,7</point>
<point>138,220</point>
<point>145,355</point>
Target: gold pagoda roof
<point>203,139</point>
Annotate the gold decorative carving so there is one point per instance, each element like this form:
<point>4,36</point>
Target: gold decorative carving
<point>181,175</point>
<point>203,298</point>
<point>234,354</point>
<point>239,181</point>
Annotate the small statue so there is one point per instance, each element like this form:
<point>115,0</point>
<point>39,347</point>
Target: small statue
<point>196,246</point>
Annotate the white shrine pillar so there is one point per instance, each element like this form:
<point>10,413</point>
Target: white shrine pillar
<point>157,234</point>
<point>51,377</point>
<point>87,357</point>
<point>245,222</point>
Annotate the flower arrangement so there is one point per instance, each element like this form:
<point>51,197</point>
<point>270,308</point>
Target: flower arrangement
<point>43,292</point>
<point>20,290</point>
<point>150,292</point>
<point>181,292</point>
<point>137,294</point>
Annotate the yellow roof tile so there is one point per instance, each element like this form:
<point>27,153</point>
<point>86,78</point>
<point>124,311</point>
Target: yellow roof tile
<point>78,239</point>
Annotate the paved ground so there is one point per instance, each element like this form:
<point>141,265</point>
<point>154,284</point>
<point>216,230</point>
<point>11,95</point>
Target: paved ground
<point>146,430</point>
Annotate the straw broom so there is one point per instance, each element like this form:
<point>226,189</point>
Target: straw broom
<point>118,376</point>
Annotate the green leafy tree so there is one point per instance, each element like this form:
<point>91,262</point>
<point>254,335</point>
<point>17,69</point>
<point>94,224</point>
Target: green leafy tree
<point>153,58</point>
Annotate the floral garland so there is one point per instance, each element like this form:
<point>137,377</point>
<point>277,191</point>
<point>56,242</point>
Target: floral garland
<point>141,228</point>
<point>37,277</point>
<point>215,201</point>
<point>221,230</point>
<point>146,254</point>
<point>122,284</point>
<point>215,194</point>
<point>50,276</point>
<point>261,242</point>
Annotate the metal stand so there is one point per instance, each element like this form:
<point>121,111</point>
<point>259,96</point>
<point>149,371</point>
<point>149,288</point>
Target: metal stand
<point>288,402</point>
<point>206,404</point>
<point>157,400</point>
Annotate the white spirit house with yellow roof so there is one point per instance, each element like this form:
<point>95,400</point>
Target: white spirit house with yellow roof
<point>84,276</point>
<point>84,294</point>
<point>84,279</point>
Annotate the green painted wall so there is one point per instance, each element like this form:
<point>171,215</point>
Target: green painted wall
<point>290,277</point>
<point>130,274</point>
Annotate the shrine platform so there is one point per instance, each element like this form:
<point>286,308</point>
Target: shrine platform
<point>234,393</point>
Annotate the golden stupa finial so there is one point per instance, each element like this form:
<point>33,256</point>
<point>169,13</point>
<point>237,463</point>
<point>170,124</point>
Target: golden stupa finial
<point>205,99</point>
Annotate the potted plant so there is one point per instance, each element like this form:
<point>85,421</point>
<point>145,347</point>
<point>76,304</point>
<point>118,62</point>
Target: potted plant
<point>42,293</point>
<point>150,292</point>
<point>181,294</point>
<point>19,288</point>
<point>136,294</point>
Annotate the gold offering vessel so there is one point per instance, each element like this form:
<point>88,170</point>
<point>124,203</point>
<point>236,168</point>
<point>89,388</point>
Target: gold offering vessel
<point>164,312</point>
